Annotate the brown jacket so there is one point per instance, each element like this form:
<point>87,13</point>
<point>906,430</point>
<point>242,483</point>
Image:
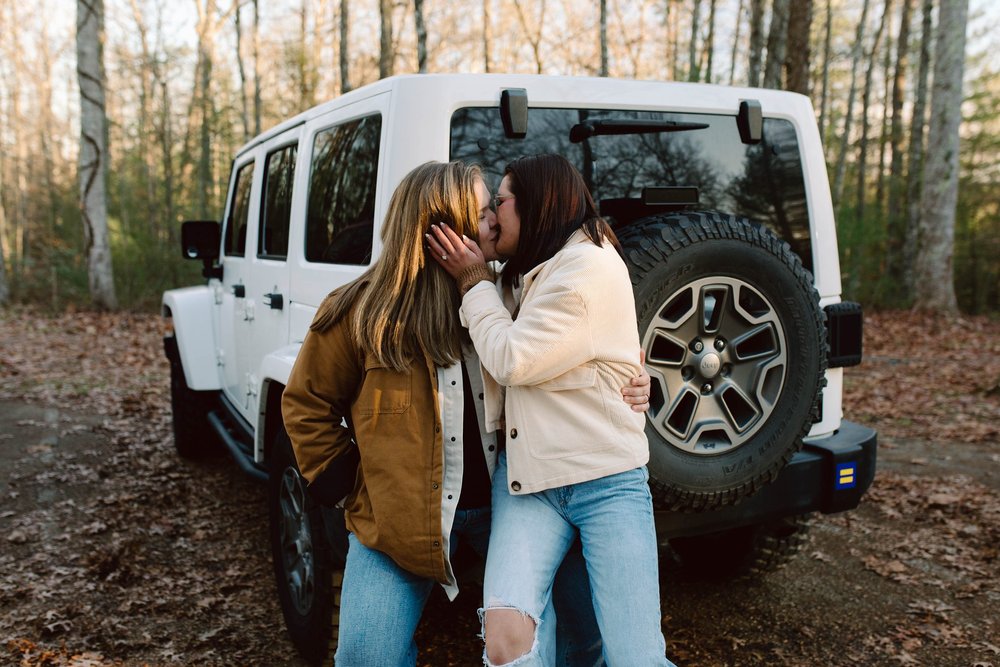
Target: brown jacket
<point>397,426</point>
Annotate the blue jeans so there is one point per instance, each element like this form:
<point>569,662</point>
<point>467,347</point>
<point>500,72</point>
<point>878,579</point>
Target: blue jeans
<point>614,518</point>
<point>381,603</point>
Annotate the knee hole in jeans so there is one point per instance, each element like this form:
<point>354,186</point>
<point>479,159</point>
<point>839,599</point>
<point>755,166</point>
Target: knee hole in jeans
<point>510,634</point>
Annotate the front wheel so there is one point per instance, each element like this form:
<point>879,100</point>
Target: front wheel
<point>307,571</point>
<point>193,436</point>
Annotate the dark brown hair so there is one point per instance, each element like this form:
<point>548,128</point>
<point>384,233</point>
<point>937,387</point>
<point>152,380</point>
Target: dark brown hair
<point>552,201</point>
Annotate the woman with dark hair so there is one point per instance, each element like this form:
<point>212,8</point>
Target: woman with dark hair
<point>556,344</point>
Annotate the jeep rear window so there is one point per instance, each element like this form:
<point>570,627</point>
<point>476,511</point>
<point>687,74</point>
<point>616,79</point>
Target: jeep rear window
<point>763,181</point>
<point>279,175</point>
<point>239,212</point>
<point>341,217</point>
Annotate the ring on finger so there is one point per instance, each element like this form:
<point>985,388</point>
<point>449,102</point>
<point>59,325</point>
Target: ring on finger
<point>444,258</point>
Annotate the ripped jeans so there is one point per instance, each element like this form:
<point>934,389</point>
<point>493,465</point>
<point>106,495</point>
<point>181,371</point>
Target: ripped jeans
<point>529,536</point>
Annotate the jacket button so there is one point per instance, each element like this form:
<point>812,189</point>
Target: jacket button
<point>436,543</point>
<point>434,485</point>
<point>492,447</point>
<point>480,397</point>
<point>515,485</point>
<point>513,433</point>
<point>437,428</point>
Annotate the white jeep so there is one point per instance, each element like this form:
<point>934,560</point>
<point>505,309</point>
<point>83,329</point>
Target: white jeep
<point>721,200</point>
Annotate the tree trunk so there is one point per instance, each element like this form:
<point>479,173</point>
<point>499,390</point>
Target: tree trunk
<point>736,41</point>
<point>256,68</point>
<point>534,37</point>
<point>604,37</point>
<point>828,34</point>
<point>487,34</point>
<point>777,41</point>
<point>940,181</point>
<point>4,289</point>
<point>845,140</point>
<point>915,158</point>
<point>756,42</point>
<point>386,55</point>
<point>709,47</point>
<point>896,236</point>
<point>244,111</point>
<point>418,19</point>
<point>883,138</point>
<point>797,62</point>
<point>93,150</point>
<point>865,104</point>
<point>345,73</point>
<point>693,73</point>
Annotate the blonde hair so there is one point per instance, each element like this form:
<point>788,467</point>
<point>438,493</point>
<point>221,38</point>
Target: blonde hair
<point>405,304</point>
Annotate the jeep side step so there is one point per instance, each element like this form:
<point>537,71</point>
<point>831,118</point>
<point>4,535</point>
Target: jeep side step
<point>229,429</point>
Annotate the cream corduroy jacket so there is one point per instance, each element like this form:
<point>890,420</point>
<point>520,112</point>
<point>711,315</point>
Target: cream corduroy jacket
<point>563,361</point>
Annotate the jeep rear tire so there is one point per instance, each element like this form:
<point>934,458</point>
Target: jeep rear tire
<point>735,345</point>
<point>193,436</point>
<point>742,552</point>
<point>307,572</point>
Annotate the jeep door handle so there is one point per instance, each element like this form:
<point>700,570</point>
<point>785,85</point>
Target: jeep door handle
<point>274,300</point>
<point>240,291</point>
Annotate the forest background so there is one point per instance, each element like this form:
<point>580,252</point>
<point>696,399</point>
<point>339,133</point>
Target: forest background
<point>186,82</point>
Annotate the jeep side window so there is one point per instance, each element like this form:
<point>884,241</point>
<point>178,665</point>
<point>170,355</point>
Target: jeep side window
<point>279,170</point>
<point>341,218</point>
<point>239,212</point>
<point>764,181</point>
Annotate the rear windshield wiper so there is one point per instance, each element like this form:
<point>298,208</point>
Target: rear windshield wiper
<point>582,131</point>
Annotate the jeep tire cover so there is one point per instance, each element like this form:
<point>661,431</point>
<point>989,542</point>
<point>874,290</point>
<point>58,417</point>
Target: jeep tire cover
<point>735,345</point>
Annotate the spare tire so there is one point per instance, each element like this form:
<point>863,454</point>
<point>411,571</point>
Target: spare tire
<point>735,344</point>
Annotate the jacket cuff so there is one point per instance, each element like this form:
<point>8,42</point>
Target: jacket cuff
<point>471,275</point>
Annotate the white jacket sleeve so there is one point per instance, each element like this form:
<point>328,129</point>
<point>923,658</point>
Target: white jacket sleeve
<point>550,336</point>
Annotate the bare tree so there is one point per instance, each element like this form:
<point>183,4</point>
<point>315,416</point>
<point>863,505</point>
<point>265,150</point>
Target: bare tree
<point>777,41</point>
<point>940,181</point>
<point>256,67</point>
<point>418,19</point>
<point>709,47</point>
<point>693,73</point>
<point>345,73</point>
<point>534,37</point>
<point>387,55</point>
<point>865,105</point>
<point>244,111</point>
<point>756,42</point>
<point>856,53</point>
<point>487,35</point>
<point>736,41</point>
<point>915,154</point>
<point>896,235</point>
<point>93,159</point>
<point>604,37</point>
<point>828,33</point>
<point>797,62</point>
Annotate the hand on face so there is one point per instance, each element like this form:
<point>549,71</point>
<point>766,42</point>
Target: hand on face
<point>453,252</point>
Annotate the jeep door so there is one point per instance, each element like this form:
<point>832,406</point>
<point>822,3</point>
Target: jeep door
<point>266,280</point>
<point>230,296</point>
<point>335,239</point>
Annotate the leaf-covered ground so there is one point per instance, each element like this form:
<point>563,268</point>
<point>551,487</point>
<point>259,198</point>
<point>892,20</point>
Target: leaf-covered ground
<point>113,551</point>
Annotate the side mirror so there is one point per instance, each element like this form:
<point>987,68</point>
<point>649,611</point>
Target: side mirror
<point>200,239</point>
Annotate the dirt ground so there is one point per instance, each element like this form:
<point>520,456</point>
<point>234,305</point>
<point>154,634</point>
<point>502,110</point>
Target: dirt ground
<point>114,551</point>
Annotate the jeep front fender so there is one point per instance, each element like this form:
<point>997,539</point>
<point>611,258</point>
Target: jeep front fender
<point>194,330</point>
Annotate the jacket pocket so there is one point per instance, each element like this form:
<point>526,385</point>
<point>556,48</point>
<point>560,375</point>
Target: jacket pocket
<point>384,391</point>
<point>580,377</point>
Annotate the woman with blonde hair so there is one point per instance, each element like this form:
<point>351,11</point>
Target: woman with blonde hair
<point>387,376</point>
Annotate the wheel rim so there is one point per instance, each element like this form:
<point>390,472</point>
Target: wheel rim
<point>716,354</point>
<point>296,541</point>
